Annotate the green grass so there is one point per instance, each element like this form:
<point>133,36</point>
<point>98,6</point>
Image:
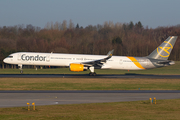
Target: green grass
<point>88,84</point>
<point>170,70</point>
<point>137,110</point>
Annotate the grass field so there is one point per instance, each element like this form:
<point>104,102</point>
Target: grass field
<point>170,70</point>
<point>88,84</point>
<point>137,110</point>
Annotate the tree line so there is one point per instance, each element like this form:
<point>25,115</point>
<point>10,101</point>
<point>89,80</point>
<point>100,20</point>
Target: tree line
<point>128,39</point>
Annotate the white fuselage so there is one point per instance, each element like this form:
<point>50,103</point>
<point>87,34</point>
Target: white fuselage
<point>55,59</point>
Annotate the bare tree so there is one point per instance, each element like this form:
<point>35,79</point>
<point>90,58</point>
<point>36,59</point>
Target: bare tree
<point>64,25</point>
<point>111,24</point>
<point>56,26</point>
<point>106,24</point>
<point>52,25</point>
<point>47,26</point>
<point>71,24</point>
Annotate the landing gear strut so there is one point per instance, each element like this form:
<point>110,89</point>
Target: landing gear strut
<point>20,67</point>
<point>92,73</point>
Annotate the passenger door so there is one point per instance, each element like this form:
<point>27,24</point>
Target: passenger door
<point>19,57</point>
<point>48,58</point>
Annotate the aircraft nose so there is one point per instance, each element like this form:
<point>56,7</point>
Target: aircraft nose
<point>5,60</point>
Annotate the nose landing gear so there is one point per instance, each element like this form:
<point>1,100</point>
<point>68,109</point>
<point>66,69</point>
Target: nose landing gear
<point>21,71</point>
<point>20,67</point>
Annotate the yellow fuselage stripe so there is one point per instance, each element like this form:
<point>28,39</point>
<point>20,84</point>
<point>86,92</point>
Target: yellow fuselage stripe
<point>135,62</point>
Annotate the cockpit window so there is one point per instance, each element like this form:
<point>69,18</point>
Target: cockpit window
<point>10,56</point>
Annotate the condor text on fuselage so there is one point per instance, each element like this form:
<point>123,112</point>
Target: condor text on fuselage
<point>25,57</point>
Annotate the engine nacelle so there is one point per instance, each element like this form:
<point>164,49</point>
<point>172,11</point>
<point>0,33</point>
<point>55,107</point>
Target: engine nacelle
<point>76,67</point>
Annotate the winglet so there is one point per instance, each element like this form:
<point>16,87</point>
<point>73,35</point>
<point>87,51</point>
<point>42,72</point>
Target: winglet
<point>110,53</point>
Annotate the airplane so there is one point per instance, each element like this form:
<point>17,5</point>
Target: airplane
<point>83,62</point>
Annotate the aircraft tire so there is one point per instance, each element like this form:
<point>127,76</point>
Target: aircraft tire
<point>92,74</point>
<point>21,72</point>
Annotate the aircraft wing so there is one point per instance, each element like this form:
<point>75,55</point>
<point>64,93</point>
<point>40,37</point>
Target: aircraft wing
<point>100,62</point>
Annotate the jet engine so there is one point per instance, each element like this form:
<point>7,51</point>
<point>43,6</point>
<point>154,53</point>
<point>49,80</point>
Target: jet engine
<point>76,67</point>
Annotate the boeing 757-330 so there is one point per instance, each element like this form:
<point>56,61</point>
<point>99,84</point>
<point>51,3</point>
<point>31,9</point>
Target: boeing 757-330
<point>82,62</point>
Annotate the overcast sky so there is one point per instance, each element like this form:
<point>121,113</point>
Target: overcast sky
<point>151,13</point>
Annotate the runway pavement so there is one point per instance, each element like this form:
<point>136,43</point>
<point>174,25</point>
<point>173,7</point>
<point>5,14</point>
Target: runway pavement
<point>87,76</point>
<point>20,98</point>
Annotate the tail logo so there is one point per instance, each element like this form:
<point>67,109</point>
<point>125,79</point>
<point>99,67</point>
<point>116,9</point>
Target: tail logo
<point>165,51</point>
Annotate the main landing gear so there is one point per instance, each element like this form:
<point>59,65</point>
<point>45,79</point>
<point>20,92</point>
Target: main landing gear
<point>20,67</point>
<point>92,73</point>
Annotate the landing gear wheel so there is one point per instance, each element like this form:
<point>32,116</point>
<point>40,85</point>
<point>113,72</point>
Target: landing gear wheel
<point>21,72</point>
<point>92,74</point>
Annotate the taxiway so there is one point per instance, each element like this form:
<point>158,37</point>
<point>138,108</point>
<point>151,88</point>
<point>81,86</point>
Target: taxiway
<point>21,98</point>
